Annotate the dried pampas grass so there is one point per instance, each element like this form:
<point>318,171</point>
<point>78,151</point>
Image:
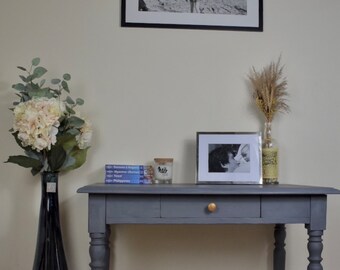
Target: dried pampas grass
<point>269,89</point>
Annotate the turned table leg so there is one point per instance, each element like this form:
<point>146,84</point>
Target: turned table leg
<point>315,247</point>
<point>100,250</point>
<point>279,250</point>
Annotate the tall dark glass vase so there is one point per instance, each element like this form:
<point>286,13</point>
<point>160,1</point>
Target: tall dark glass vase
<point>49,253</point>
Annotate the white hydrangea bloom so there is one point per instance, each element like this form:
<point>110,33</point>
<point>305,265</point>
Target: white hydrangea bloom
<point>85,136</point>
<point>37,122</point>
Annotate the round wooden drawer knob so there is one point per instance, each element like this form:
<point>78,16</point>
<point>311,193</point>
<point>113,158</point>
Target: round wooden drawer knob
<point>212,207</point>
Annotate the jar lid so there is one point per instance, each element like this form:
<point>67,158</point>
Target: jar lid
<point>163,160</point>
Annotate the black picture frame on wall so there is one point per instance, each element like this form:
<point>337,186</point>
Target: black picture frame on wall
<point>237,15</point>
<point>229,158</point>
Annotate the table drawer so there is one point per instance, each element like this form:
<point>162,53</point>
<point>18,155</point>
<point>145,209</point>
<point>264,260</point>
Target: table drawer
<point>286,206</point>
<point>133,206</point>
<point>197,206</point>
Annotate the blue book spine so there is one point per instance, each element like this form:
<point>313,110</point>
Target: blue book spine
<point>127,167</point>
<point>133,172</point>
<point>128,176</point>
<point>127,181</point>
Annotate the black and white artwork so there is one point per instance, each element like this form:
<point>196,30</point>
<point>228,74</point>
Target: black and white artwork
<point>229,157</point>
<point>232,7</point>
<point>194,14</point>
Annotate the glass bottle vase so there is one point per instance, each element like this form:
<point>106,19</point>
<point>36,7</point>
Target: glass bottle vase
<point>49,253</point>
<point>270,162</point>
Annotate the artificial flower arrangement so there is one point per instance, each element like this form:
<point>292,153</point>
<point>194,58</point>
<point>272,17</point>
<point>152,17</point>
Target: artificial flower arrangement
<point>53,135</point>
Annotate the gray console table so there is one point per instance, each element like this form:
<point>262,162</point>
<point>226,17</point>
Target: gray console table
<point>208,204</point>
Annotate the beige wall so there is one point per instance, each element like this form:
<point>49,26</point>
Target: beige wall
<point>147,92</point>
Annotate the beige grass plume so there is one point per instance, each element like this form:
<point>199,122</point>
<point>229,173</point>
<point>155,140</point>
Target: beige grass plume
<point>269,89</point>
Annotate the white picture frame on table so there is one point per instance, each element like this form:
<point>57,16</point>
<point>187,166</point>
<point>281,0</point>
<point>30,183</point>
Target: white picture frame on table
<point>229,158</point>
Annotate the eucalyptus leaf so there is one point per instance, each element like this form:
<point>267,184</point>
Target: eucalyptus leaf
<point>24,161</point>
<point>42,82</point>
<point>70,110</point>
<point>31,77</point>
<point>40,93</point>
<point>65,86</point>
<point>25,97</point>
<point>56,92</point>
<point>19,87</point>
<point>36,61</point>
<point>69,100</point>
<point>76,122</point>
<point>28,87</point>
<point>35,86</point>
<point>67,77</point>
<point>39,71</point>
<point>23,78</point>
<point>79,101</point>
<point>55,81</point>
<point>22,68</point>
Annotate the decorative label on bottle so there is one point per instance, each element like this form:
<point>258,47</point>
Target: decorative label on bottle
<point>270,163</point>
<point>51,187</point>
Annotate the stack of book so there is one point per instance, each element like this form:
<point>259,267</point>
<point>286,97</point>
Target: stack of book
<point>128,174</point>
